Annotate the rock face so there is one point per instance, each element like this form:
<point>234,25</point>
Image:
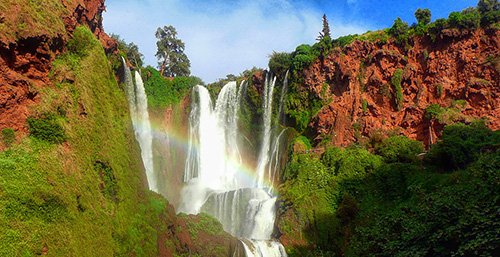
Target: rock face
<point>27,51</point>
<point>460,65</point>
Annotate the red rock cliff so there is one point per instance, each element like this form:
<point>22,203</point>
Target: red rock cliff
<point>458,66</point>
<point>29,45</point>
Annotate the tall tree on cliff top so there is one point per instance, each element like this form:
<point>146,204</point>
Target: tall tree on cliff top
<point>325,33</point>
<point>172,61</point>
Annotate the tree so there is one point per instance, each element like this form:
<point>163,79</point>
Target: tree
<point>130,50</point>
<point>485,6</point>
<point>423,16</point>
<point>172,59</point>
<point>399,30</point>
<point>325,33</point>
<point>490,11</point>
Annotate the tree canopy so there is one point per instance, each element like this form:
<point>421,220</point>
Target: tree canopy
<point>172,61</point>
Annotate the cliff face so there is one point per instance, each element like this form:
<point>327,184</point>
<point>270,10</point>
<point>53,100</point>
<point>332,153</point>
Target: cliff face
<point>31,36</point>
<point>460,65</point>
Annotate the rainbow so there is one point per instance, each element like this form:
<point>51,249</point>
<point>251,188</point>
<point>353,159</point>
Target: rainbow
<point>245,169</point>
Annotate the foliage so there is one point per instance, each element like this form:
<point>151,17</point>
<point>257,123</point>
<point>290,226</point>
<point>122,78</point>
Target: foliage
<point>490,12</point>
<point>82,42</point>
<point>344,40</point>
<point>172,59</point>
<point>396,80</point>
<point>8,136</point>
<point>163,92</point>
<point>325,32</point>
<point>280,63</point>
<point>423,16</point>
<point>469,18</point>
<point>399,149</point>
<point>462,144</point>
<point>399,30</point>
<point>49,195</point>
<point>398,206</point>
<point>130,51</point>
<point>47,128</point>
<point>303,56</point>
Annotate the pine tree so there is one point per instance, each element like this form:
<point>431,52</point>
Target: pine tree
<point>325,33</point>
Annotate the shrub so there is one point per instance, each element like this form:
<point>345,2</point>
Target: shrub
<point>399,149</point>
<point>467,19</point>
<point>163,92</point>
<point>83,40</point>
<point>47,128</point>
<point>396,80</point>
<point>303,56</point>
<point>435,28</point>
<point>279,63</point>
<point>423,16</point>
<point>490,12</point>
<point>8,136</point>
<point>344,40</point>
<point>462,144</point>
<point>399,30</point>
<point>433,111</point>
<point>108,183</point>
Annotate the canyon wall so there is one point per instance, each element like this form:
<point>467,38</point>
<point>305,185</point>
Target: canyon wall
<point>358,81</point>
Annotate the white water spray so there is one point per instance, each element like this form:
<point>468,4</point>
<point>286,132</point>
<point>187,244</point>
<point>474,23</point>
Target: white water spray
<point>138,104</point>
<point>217,181</point>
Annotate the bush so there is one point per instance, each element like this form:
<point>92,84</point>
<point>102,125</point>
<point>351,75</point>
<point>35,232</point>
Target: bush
<point>280,63</point>
<point>399,149</point>
<point>467,19</point>
<point>345,40</point>
<point>303,56</point>
<point>462,144</point>
<point>8,136</point>
<point>162,92</point>
<point>399,30</point>
<point>433,111</point>
<point>423,16</point>
<point>47,128</point>
<point>396,80</point>
<point>435,28</point>
<point>83,40</point>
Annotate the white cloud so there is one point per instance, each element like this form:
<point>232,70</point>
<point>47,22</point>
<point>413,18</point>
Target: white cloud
<point>220,39</point>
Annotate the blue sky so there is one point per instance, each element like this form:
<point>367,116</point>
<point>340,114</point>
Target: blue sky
<point>224,37</point>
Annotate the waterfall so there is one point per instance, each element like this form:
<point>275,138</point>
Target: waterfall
<point>138,104</point>
<point>284,91</point>
<point>218,180</point>
<point>266,136</point>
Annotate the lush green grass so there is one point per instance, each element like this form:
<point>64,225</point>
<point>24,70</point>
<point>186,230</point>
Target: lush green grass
<point>350,202</point>
<point>86,196</point>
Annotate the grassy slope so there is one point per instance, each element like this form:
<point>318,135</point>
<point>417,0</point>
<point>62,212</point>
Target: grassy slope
<point>54,197</point>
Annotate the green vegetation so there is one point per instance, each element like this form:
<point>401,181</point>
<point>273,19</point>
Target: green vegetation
<point>163,92</point>
<point>399,30</point>
<point>47,128</point>
<point>396,80</point>
<point>172,61</point>
<point>446,115</point>
<point>350,202</point>
<point>130,51</point>
<point>8,136</point>
<point>85,197</point>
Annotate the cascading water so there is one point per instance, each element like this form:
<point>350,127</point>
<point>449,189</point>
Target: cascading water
<point>138,104</point>
<point>219,182</point>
